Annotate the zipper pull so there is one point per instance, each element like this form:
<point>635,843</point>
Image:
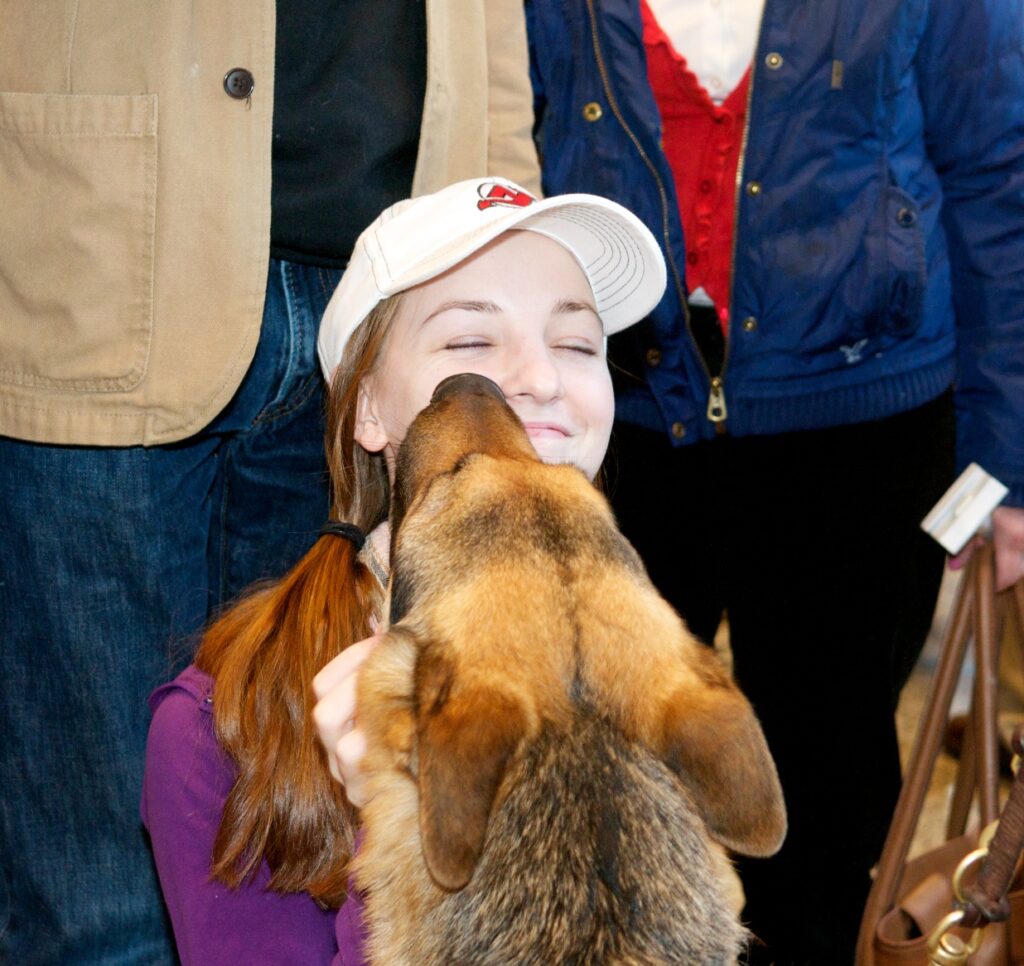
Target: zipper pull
<point>717,412</point>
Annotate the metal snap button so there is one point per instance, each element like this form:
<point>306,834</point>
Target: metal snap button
<point>592,111</point>
<point>239,83</point>
<point>653,357</point>
<point>753,188</point>
<point>678,430</point>
<point>906,217</point>
<point>749,324</point>
<point>774,61</point>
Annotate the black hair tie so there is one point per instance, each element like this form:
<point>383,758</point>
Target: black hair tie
<point>347,530</point>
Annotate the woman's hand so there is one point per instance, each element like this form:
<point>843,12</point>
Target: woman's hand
<point>1008,544</point>
<point>335,717</point>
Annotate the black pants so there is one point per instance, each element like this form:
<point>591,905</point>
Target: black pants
<point>810,542</point>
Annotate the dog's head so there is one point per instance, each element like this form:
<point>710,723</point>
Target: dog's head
<point>494,556</point>
<point>438,475</point>
<point>467,415</point>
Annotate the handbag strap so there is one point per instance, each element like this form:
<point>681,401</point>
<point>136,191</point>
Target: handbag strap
<point>986,689</point>
<point>985,899</point>
<point>976,583</point>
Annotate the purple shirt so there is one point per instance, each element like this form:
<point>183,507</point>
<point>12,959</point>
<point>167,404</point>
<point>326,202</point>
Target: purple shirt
<point>187,781</point>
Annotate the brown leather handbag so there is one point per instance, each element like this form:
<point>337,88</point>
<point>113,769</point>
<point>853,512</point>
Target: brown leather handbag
<point>925,911</point>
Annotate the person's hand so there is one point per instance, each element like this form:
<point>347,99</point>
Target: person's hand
<point>334,715</point>
<point>1007,543</point>
<point>1008,540</point>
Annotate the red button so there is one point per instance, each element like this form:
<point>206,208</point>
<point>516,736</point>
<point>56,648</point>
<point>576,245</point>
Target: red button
<point>692,258</point>
<point>705,186</point>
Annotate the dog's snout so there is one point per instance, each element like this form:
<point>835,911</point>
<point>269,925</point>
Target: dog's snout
<point>466,382</point>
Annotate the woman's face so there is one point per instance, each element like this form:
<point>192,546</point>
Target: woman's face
<point>519,311</point>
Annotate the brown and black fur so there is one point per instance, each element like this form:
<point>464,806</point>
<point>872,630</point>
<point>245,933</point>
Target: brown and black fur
<point>550,753</point>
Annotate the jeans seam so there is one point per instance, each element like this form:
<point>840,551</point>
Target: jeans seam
<point>297,401</point>
<point>222,581</point>
<point>6,906</point>
<point>297,322</point>
<point>297,326</point>
<point>326,291</point>
<point>277,408</point>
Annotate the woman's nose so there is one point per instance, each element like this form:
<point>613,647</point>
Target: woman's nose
<point>533,372</point>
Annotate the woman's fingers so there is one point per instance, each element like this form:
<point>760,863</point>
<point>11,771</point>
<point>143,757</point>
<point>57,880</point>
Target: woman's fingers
<point>349,752</point>
<point>343,665</point>
<point>960,560</point>
<point>1007,543</point>
<point>1008,540</point>
<point>334,714</point>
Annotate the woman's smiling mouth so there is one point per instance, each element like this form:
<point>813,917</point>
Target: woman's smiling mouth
<point>545,430</point>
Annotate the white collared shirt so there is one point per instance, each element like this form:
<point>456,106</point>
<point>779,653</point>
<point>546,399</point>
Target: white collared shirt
<point>717,37</point>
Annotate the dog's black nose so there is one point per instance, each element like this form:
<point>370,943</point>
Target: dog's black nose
<point>466,382</point>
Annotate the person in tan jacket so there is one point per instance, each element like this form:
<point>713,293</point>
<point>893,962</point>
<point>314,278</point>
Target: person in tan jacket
<point>181,184</point>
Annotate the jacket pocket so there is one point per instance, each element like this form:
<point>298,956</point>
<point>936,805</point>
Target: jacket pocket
<point>78,179</point>
<point>904,271</point>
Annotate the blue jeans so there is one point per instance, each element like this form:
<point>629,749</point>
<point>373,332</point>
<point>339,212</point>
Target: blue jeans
<point>111,561</point>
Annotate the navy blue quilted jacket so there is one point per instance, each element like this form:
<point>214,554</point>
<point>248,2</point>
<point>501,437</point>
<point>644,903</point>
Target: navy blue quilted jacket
<point>879,251</point>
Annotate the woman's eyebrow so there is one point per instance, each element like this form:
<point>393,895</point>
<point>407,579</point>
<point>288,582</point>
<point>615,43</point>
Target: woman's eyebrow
<point>566,306</point>
<point>466,305</point>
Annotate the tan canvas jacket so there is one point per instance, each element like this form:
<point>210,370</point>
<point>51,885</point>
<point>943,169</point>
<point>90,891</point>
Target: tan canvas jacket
<point>135,197</point>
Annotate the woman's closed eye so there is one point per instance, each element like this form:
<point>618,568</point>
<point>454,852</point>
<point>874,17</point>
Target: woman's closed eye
<point>575,328</point>
<point>582,347</point>
<point>469,342</point>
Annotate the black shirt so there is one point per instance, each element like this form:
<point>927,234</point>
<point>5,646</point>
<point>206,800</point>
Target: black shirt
<point>348,101</point>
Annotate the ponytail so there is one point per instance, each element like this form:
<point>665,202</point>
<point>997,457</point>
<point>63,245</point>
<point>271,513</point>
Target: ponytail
<point>263,654</point>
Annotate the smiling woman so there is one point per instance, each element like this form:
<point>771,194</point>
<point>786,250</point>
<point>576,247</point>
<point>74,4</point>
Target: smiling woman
<point>481,278</point>
<point>519,311</point>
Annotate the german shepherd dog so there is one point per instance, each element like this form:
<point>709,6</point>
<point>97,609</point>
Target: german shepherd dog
<point>549,751</point>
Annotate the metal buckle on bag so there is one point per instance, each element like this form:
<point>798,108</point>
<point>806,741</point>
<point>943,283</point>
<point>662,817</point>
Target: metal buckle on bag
<point>971,859</point>
<point>946,948</point>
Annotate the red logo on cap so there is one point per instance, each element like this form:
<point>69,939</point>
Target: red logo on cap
<point>499,194</point>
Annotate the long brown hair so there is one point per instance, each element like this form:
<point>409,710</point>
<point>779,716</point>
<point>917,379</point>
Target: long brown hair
<point>264,652</point>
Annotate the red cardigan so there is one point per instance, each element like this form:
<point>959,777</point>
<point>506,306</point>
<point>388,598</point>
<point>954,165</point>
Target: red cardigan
<point>702,142</point>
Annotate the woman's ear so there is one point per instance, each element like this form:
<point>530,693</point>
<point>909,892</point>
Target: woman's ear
<point>369,431</point>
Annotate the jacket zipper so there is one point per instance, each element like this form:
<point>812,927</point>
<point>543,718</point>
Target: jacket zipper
<point>718,412</point>
<point>662,193</point>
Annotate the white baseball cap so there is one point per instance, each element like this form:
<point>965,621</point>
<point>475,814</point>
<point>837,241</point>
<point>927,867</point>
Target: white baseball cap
<point>419,238</point>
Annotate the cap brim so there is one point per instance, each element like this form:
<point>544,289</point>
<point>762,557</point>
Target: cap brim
<point>616,251</point>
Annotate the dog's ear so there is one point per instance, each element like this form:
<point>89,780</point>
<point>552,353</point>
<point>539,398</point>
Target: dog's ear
<point>466,738</point>
<point>714,742</point>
